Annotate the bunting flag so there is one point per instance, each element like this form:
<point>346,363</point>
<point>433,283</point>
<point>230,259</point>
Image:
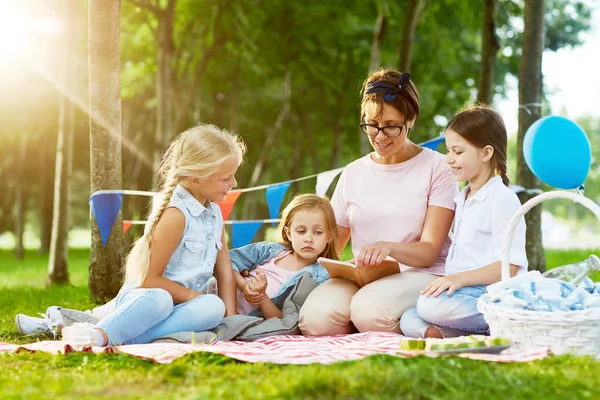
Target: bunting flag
<point>242,233</point>
<point>324,180</point>
<point>274,195</point>
<point>227,204</point>
<point>105,208</point>
<point>127,225</point>
<point>106,204</point>
<point>433,144</point>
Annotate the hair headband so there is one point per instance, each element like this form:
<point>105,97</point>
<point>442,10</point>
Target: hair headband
<point>390,91</point>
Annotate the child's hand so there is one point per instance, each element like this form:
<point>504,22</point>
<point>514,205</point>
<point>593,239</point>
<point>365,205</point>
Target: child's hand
<point>451,283</point>
<point>259,283</point>
<point>254,291</point>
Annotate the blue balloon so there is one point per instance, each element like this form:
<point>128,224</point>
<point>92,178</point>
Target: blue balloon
<point>558,152</point>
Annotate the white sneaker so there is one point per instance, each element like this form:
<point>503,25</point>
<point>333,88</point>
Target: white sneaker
<point>81,334</point>
<point>53,312</point>
<point>27,325</point>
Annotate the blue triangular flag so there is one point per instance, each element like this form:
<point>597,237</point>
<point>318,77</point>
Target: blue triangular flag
<point>242,233</point>
<point>274,196</point>
<point>105,208</point>
<point>433,144</point>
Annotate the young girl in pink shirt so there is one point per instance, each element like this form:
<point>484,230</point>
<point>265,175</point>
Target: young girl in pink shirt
<point>308,231</point>
<point>397,201</point>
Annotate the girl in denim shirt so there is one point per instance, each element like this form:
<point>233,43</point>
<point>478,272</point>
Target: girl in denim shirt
<point>308,231</point>
<point>182,245</point>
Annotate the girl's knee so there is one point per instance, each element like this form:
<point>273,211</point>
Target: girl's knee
<point>433,309</point>
<point>163,301</point>
<point>209,306</point>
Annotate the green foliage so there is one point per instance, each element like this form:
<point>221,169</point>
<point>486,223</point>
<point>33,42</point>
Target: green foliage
<point>228,63</point>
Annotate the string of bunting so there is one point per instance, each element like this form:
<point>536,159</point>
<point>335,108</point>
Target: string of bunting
<point>106,204</point>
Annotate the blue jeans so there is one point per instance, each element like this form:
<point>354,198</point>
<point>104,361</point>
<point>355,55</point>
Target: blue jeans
<point>143,315</point>
<point>454,315</point>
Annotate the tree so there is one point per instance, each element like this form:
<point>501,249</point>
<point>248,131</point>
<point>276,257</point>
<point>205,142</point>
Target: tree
<point>105,140</point>
<point>20,197</point>
<point>374,63</point>
<point>58,272</point>
<point>164,96</point>
<point>489,49</point>
<point>410,25</point>
<point>530,98</point>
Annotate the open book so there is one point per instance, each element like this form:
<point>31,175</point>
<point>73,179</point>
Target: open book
<point>362,276</point>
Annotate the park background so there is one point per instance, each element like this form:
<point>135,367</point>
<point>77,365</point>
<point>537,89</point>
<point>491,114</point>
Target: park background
<point>286,76</point>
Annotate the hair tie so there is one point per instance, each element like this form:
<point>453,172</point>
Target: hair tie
<point>390,91</point>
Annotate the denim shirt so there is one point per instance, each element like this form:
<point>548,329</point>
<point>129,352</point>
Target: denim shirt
<point>250,256</point>
<point>193,261</point>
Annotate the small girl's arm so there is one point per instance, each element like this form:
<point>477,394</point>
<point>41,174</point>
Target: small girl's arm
<point>240,282</point>
<point>226,280</point>
<point>269,309</point>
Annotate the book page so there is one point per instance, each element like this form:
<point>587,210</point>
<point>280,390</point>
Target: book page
<point>362,276</point>
<point>339,269</point>
<point>368,274</point>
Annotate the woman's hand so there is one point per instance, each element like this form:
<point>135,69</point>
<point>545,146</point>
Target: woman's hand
<point>373,254</point>
<point>450,283</point>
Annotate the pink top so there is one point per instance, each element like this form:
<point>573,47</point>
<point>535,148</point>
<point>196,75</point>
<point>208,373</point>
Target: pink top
<point>388,202</point>
<point>276,277</point>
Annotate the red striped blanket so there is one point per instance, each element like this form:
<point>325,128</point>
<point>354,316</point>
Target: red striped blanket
<point>287,349</point>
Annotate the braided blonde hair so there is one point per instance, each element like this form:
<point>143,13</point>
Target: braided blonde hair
<point>196,152</point>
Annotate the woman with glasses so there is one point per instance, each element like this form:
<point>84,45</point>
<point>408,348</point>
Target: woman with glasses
<point>397,201</point>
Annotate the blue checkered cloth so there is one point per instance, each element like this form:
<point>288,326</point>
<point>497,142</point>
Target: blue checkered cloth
<point>544,294</point>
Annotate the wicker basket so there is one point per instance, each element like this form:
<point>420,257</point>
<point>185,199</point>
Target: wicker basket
<point>563,331</point>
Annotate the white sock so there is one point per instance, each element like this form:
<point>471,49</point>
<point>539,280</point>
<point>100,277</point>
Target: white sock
<point>82,334</point>
<point>99,338</point>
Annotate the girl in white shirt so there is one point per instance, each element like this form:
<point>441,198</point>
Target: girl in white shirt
<point>476,140</point>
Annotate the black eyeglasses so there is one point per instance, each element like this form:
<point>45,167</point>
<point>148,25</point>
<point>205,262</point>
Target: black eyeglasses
<point>389,131</point>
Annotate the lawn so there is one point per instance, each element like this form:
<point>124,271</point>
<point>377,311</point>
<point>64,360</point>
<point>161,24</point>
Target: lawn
<point>200,375</point>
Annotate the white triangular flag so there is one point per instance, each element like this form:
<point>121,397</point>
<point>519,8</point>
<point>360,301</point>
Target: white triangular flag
<point>324,180</point>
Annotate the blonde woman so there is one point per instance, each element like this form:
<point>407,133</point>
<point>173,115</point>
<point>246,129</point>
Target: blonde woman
<point>183,244</point>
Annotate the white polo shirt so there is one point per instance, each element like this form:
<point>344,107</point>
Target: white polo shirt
<point>480,225</point>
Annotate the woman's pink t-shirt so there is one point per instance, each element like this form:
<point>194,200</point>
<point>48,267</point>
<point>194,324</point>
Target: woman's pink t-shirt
<point>388,202</point>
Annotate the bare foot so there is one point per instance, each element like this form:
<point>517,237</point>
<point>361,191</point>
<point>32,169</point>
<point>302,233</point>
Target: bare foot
<point>433,332</point>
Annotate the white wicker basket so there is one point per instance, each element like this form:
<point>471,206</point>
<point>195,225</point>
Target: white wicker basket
<point>562,332</point>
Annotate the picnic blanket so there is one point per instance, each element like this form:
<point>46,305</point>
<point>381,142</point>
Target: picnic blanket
<point>281,349</point>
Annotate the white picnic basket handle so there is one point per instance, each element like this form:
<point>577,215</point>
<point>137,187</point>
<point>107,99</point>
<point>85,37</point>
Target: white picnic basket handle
<point>512,225</point>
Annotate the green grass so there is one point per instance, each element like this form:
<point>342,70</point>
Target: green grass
<point>200,375</point>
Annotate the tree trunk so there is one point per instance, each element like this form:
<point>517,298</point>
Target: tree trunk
<point>373,65</point>
<point>164,118</point>
<point>20,198</point>
<point>489,49</point>
<point>58,272</point>
<point>105,141</point>
<point>410,25</point>
<point>47,200</point>
<point>59,247</point>
<point>274,132</point>
<point>530,97</point>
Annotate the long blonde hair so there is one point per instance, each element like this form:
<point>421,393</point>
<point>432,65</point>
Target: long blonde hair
<point>311,202</point>
<point>196,152</point>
